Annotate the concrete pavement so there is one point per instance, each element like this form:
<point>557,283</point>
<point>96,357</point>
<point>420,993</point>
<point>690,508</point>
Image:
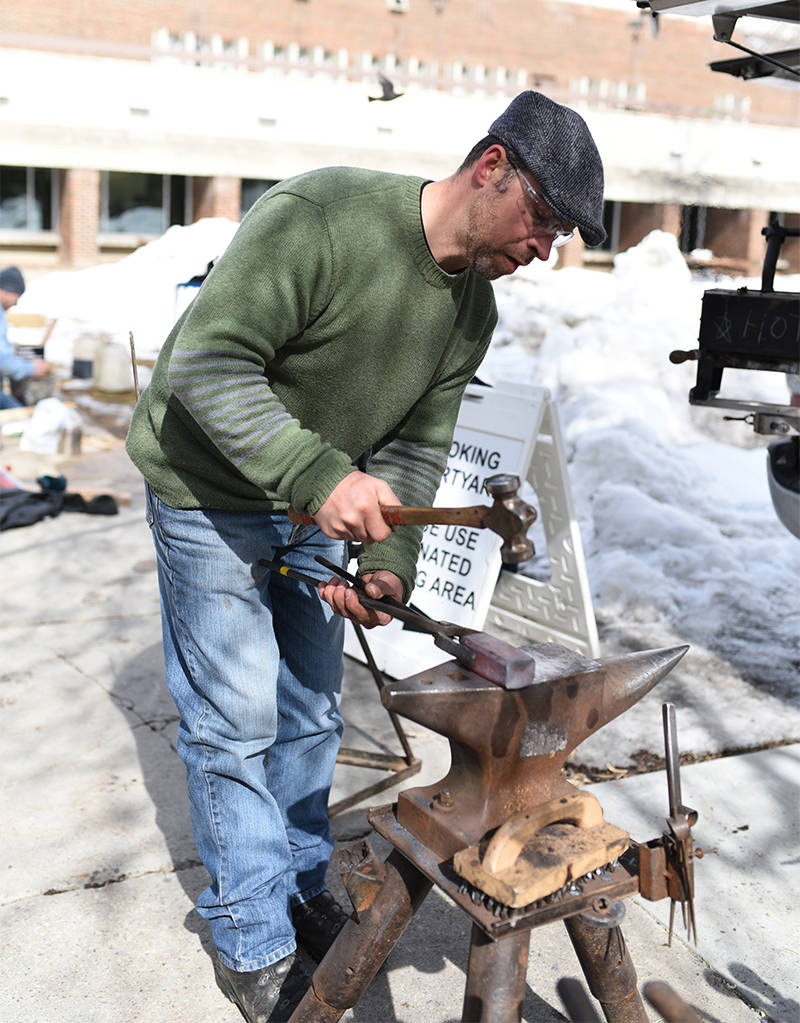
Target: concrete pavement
<point>99,870</point>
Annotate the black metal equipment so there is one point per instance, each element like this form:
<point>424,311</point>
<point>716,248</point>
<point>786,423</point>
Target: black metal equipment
<point>748,329</point>
<point>756,330</point>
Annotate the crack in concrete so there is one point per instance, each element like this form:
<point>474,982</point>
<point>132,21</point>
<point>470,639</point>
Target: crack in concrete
<point>104,882</point>
<point>649,763</point>
<point>121,616</point>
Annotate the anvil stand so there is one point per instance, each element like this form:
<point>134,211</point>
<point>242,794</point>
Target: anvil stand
<point>508,749</point>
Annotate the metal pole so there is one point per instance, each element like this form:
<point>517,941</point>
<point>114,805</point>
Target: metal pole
<point>363,945</point>
<point>496,977</point>
<point>608,969</point>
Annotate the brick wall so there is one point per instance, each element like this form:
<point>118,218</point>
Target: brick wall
<point>217,197</point>
<point>638,219</point>
<point>79,216</point>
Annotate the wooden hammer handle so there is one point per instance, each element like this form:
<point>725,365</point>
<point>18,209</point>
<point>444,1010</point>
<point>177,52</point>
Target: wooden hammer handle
<point>407,515</point>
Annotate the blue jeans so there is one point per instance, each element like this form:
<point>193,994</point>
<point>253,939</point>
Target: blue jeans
<point>254,663</point>
<point>7,401</point>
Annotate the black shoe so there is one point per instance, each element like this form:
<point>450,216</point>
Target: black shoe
<point>269,995</point>
<point>317,923</point>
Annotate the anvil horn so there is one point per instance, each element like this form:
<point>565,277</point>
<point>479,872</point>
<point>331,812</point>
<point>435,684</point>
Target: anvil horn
<point>455,702</point>
<point>630,677</point>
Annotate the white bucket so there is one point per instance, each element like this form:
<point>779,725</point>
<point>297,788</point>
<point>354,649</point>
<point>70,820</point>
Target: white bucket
<point>112,366</point>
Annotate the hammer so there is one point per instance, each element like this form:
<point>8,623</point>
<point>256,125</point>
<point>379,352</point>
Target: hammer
<point>508,516</point>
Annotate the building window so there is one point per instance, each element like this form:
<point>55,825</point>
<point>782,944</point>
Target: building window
<point>612,213</point>
<point>28,199</point>
<point>693,228</point>
<point>252,189</point>
<point>143,204</point>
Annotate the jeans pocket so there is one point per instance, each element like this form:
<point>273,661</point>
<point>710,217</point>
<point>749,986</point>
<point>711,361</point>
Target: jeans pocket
<point>300,533</point>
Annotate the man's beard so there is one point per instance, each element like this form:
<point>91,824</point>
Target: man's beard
<point>487,262</point>
<point>484,263</point>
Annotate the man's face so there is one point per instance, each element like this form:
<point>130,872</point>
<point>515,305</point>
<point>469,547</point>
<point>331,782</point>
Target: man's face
<point>8,298</point>
<point>502,232</point>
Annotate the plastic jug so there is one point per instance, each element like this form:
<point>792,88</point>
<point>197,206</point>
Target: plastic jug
<point>113,371</point>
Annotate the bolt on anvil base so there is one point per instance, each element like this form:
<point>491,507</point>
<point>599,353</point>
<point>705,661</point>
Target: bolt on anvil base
<point>508,748</point>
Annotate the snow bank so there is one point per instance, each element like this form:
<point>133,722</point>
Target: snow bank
<point>679,531</point>
<point>137,293</point>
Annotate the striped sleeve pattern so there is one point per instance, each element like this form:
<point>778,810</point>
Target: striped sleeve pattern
<point>412,470</point>
<point>230,399</point>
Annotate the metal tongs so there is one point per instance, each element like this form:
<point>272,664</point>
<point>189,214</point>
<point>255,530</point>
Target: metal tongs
<point>485,655</point>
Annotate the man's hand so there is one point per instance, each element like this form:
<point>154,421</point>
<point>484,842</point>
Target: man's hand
<point>40,369</point>
<point>344,599</point>
<point>352,510</point>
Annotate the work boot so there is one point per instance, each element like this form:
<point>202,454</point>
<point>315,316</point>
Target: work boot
<point>317,923</point>
<point>269,995</point>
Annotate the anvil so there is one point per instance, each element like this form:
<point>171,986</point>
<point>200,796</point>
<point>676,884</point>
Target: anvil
<point>508,747</point>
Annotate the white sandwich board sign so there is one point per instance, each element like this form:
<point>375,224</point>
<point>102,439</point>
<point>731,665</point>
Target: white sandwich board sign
<point>510,429</point>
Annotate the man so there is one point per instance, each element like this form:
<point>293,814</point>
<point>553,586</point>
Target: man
<point>344,321</point>
<point>12,285</point>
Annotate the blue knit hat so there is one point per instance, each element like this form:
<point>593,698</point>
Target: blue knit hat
<point>11,279</point>
<point>555,144</point>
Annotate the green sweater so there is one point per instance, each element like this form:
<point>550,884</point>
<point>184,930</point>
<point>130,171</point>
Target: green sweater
<point>325,329</point>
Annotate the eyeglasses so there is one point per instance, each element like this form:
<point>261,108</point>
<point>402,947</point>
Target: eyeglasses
<point>544,220</point>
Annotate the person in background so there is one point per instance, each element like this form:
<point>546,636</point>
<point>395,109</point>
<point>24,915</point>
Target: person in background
<point>13,366</point>
<point>320,367</point>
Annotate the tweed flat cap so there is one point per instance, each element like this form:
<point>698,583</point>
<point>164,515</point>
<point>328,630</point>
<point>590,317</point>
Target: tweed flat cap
<point>555,144</point>
<point>11,279</point>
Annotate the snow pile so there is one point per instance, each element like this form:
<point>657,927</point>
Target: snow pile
<point>681,540</point>
<point>137,294</point>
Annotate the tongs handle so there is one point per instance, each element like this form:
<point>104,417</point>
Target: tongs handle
<point>417,620</point>
<point>388,605</point>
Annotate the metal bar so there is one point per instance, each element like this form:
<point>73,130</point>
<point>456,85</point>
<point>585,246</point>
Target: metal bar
<point>766,57</point>
<point>401,768</point>
<point>371,790</point>
<point>378,676</point>
<point>673,760</point>
<point>364,758</point>
<point>133,365</point>
<point>496,977</point>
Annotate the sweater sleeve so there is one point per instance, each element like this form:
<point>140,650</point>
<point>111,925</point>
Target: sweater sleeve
<point>11,365</point>
<point>272,281</point>
<point>413,460</point>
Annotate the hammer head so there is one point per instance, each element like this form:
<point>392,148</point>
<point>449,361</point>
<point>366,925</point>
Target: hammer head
<point>510,517</point>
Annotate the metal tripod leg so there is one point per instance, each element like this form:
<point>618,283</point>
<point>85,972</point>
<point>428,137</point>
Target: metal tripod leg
<point>363,944</point>
<point>399,768</point>
<point>608,968</point>
<point>496,977</point>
